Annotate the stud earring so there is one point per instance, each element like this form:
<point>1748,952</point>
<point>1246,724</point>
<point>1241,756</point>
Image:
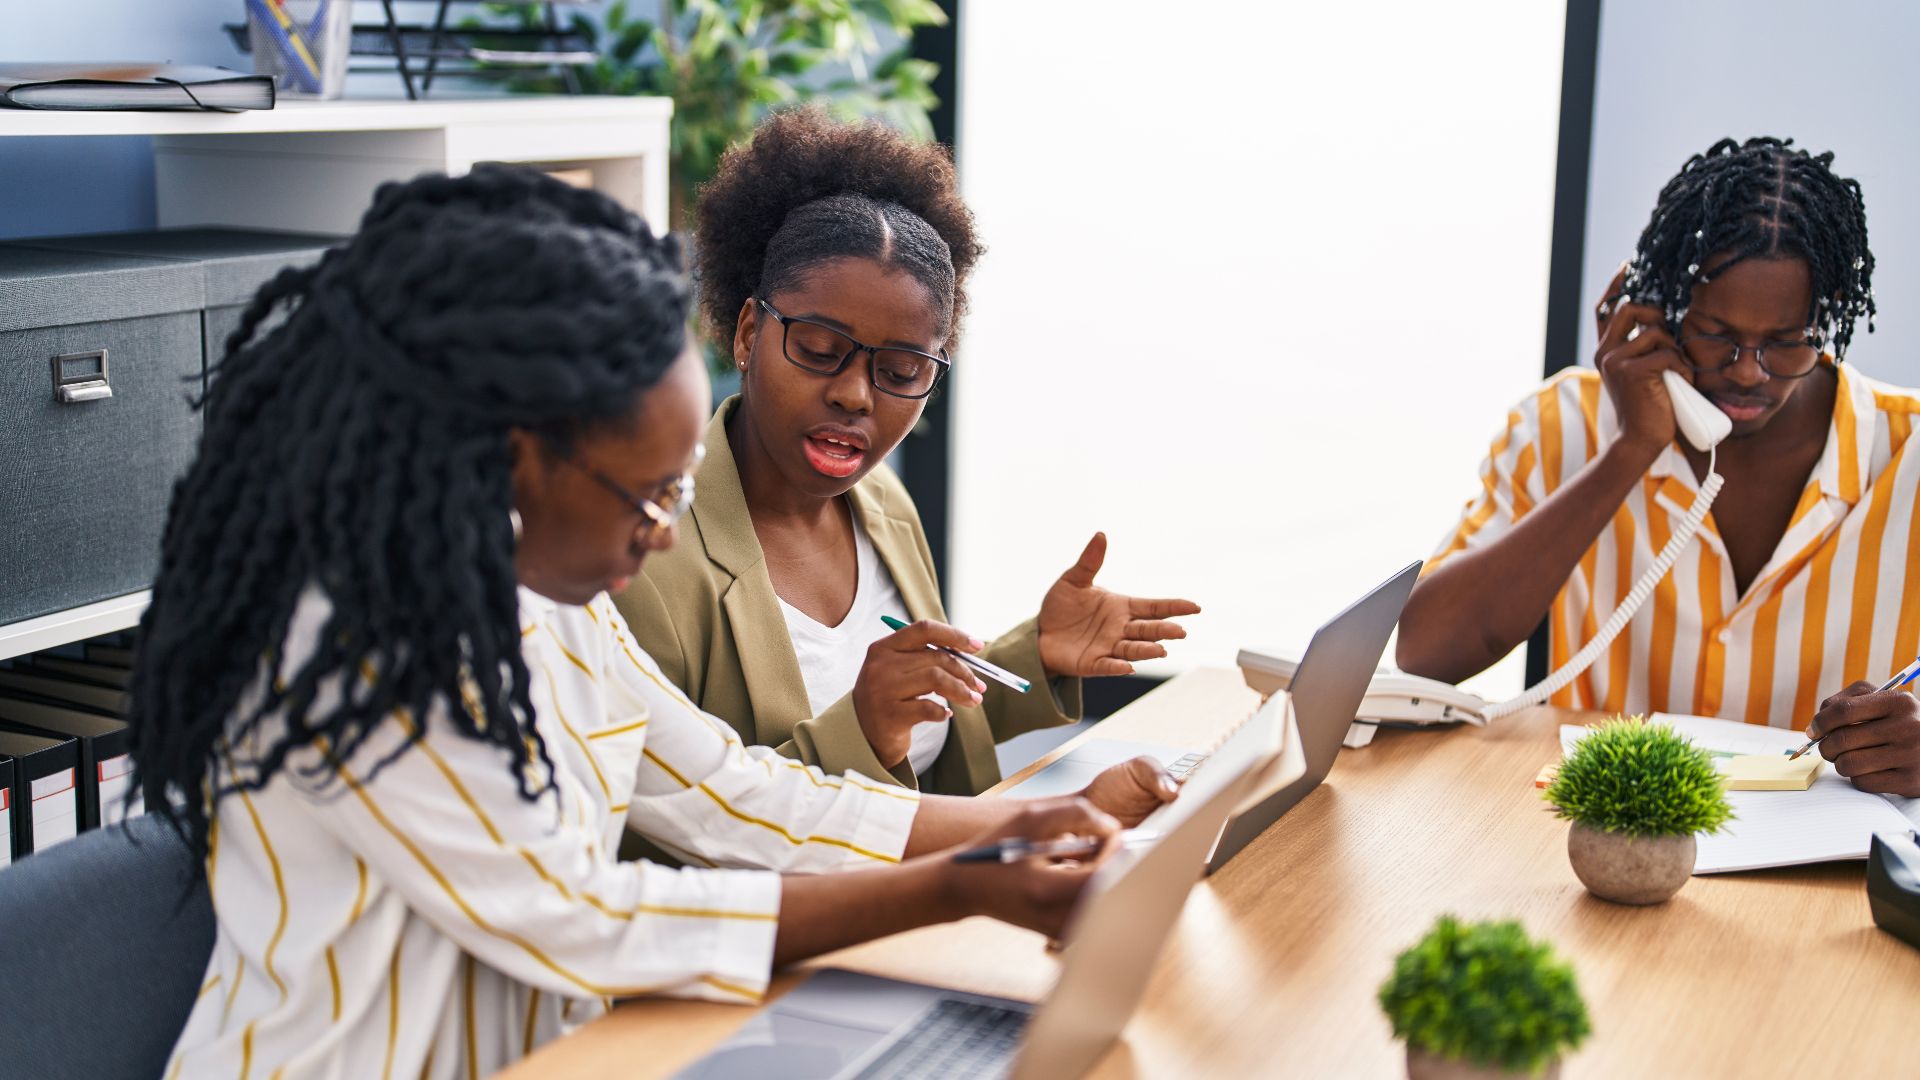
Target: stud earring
<point>513,519</point>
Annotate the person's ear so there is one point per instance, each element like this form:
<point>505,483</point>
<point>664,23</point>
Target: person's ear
<point>529,459</point>
<point>746,329</point>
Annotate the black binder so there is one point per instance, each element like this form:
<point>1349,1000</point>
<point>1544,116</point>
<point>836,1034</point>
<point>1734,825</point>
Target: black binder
<point>116,655</point>
<point>60,690</point>
<point>93,674</point>
<point>46,787</point>
<point>7,851</point>
<point>104,760</point>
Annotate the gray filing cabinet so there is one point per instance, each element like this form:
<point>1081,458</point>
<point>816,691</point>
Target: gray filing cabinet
<point>104,341</point>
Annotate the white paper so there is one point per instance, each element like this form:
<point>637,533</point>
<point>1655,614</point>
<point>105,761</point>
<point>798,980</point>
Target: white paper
<point>6,826</point>
<point>56,810</point>
<point>116,775</point>
<point>1830,821</point>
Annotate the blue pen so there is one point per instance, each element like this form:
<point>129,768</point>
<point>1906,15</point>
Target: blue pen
<point>1906,675</point>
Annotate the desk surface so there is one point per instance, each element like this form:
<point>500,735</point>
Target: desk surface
<point>1276,960</point>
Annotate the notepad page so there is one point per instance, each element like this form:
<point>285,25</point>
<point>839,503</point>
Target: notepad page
<point>1832,820</point>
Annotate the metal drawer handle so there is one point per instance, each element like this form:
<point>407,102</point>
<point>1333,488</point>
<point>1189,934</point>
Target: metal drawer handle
<point>82,385</point>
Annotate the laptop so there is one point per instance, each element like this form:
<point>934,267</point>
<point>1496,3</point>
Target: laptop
<point>844,1024</point>
<point>1327,689</point>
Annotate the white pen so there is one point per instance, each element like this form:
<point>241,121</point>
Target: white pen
<point>992,671</point>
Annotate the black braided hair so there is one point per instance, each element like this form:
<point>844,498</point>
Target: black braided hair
<point>1760,199</point>
<point>361,446</point>
<point>808,189</point>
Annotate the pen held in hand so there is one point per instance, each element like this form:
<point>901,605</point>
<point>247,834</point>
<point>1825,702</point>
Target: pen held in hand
<point>1903,677</point>
<point>992,671</point>
<point>1016,848</point>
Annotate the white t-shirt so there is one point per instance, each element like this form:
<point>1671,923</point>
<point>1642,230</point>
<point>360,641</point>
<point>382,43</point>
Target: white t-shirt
<point>830,656</point>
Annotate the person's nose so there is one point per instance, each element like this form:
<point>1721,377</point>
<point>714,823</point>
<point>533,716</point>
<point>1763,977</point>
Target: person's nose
<point>851,391</point>
<point>1745,371</point>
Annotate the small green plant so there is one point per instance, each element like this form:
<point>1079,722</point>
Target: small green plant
<point>1485,993</point>
<point>1641,779</point>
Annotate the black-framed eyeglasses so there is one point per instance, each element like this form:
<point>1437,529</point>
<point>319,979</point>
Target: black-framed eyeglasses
<point>1790,359</point>
<point>665,507</point>
<point>816,347</point>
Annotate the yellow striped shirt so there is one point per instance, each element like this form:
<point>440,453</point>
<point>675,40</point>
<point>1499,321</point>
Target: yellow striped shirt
<point>421,919</point>
<point>1839,599</point>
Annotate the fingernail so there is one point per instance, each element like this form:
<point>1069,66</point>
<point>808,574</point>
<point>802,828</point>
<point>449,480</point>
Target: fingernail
<point>976,643</point>
<point>976,696</point>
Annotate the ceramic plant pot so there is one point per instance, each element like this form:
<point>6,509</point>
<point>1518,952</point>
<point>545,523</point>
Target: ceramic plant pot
<point>1630,869</point>
<point>1424,1066</point>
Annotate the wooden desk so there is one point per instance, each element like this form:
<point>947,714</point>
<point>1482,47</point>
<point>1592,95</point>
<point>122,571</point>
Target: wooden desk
<point>1275,962</point>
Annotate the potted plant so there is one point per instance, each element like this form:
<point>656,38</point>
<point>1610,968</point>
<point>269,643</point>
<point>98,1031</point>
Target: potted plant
<point>1483,1000</point>
<point>1636,794</point>
<point>727,63</point>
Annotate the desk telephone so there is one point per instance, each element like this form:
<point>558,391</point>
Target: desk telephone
<point>1396,698</point>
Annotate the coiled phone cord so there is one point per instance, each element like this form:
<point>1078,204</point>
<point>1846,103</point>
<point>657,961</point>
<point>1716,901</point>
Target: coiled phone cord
<point>1582,660</point>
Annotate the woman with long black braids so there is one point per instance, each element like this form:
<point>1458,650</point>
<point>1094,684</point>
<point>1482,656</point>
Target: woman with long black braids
<point>405,722</point>
<point>1750,281</point>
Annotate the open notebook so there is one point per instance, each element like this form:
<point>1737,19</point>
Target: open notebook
<point>1832,820</point>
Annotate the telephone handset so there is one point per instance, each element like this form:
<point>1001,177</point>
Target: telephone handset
<point>1398,698</point>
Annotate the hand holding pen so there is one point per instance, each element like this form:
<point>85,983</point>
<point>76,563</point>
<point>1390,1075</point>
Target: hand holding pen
<point>1016,848</point>
<point>1872,734</point>
<point>890,695</point>
<point>1034,892</point>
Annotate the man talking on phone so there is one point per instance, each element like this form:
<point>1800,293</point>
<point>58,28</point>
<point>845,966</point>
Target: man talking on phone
<point>1749,281</point>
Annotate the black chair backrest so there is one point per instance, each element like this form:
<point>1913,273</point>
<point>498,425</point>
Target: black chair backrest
<point>104,940</point>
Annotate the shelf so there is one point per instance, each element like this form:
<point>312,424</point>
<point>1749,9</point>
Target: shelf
<point>313,166</point>
<point>355,114</point>
<point>73,624</point>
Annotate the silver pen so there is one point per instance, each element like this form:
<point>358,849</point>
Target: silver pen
<point>1015,848</point>
<point>992,671</point>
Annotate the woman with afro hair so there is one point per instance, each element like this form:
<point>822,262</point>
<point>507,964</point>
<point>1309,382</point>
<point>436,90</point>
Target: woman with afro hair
<point>831,260</point>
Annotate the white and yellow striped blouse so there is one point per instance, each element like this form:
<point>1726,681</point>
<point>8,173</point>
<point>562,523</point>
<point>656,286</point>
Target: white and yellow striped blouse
<point>426,921</point>
<point>1838,601</point>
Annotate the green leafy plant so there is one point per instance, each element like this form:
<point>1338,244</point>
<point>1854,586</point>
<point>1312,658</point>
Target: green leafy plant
<point>1487,994</point>
<point>1641,779</point>
<point>727,63</point>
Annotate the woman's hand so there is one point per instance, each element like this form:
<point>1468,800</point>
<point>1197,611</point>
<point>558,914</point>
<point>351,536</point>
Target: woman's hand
<point>1086,630</point>
<point>1131,790</point>
<point>1036,893</point>
<point>889,695</point>
<point>1873,739</point>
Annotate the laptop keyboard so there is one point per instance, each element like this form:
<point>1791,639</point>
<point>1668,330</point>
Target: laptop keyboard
<point>1184,767</point>
<point>955,1039</point>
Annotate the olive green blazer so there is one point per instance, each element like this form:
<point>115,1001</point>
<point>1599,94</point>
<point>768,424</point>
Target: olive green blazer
<point>705,610</point>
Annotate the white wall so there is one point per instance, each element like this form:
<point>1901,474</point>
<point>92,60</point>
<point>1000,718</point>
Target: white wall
<point>1838,75</point>
<point>1262,282</point>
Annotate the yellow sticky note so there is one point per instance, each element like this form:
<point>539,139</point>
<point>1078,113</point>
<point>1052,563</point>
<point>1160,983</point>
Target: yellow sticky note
<point>1771,772</point>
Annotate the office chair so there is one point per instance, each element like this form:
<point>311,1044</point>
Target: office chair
<point>103,945</point>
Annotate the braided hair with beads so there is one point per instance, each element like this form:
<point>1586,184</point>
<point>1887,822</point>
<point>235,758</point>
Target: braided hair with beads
<point>360,447</point>
<point>1760,199</point>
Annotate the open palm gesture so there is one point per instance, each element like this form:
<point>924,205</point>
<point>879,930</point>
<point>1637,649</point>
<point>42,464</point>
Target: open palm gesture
<point>1086,630</point>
